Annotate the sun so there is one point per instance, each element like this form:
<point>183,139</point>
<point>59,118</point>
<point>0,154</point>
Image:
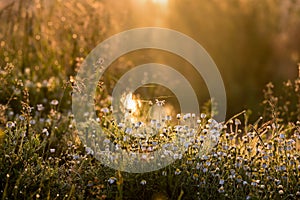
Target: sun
<point>158,3</point>
<point>130,103</point>
<point>163,2</point>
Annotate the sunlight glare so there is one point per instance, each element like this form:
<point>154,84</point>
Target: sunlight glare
<point>130,104</point>
<point>162,2</point>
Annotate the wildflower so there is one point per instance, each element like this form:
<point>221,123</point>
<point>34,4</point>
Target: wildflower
<point>280,187</point>
<point>277,181</point>
<point>205,157</point>
<point>237,122</point>
<point>164,173</point>
<point>221,182</point>
<point>264,165</point>
<point>106,140</point>
<point>245,139</point>
<point>158,125</point>
<point>251,135</point>
<point>221,189</point>
<point>40,107</point>
<point>186,116</point>
<point>159,103</point>
<point>177,171</point>
<point>202,138</point>
<point>153,121</point>
<point>144,156</point>
<point>178,128</point>
<point>195,176</point>
<point>104,110</point>
<point>175,156</point>
<point>289,148</point>
<point>227,135</point>
<point>232,171</point>
<point>231,177</point>
<point>138,125</point>
<point>54,102</point>
<point>143,182</point>
<point>265,157</point>
<point>239,179</point>
<point>202,115</point>
<point>254,183</point>
<point>117,146</point>
<point>280,192</point>
<point>282,167</point>
<point>168,118</point>
<point>52,150</point>
<point>121,125</point>
<point>90,183</point>
<point>202,182</point>
<point>291,142</point>
<point>11,113</point>
<point>225,147</point>
<point>10,124</point>
<point>89,151</point>
<point>100,61</point>
<point>128,130</point>
<point>111,180</point>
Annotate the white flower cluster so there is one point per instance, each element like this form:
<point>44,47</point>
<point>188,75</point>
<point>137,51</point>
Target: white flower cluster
<point>156,141</point>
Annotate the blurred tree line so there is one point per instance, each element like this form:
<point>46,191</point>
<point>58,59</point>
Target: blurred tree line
<point>251,41</point>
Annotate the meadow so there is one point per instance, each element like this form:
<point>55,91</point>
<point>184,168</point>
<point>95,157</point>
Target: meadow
<point>43,156</point>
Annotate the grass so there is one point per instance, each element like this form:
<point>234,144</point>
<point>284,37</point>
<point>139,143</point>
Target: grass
<point>42,154</point>
<point>43,157</point>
